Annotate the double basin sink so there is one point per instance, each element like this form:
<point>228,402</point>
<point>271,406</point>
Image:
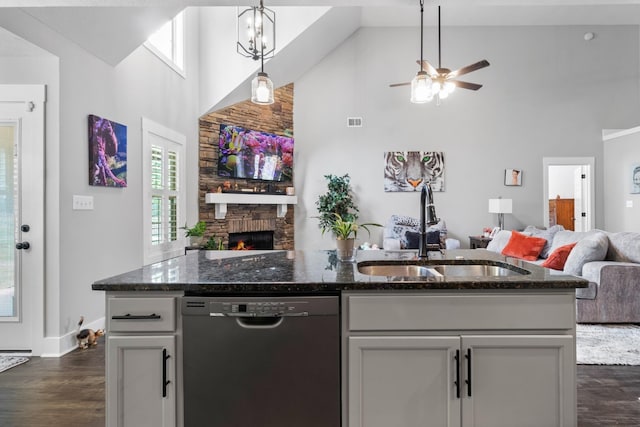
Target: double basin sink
<point>448,268</point>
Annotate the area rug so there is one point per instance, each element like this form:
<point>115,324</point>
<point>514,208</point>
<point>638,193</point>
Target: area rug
<point>8,362</point>
<point>607,344</point>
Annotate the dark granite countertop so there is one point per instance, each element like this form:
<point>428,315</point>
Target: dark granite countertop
<point>320,271</point>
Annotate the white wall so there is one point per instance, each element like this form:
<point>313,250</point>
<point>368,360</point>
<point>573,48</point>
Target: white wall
<point>542,96</point>
<point>84,246</point>
<point>620,153</point>
<point>561,181</point>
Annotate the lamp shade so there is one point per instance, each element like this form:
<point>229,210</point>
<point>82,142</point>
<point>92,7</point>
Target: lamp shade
<point>500,206</point>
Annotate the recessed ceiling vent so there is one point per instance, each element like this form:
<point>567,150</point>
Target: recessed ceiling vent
<point>354,122</point>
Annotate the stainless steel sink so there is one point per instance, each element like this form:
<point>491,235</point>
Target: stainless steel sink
<point>474,270</point>
<point>402,270</point>
<point>466,269</point>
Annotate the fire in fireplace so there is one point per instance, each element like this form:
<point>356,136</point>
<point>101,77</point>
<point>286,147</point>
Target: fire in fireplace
<point>257,240</point>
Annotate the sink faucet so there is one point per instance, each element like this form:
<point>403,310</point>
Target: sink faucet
<point>427,217</point>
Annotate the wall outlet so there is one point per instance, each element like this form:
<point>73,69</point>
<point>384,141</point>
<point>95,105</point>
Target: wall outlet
<point>629,203</point>
<point>82,203</point>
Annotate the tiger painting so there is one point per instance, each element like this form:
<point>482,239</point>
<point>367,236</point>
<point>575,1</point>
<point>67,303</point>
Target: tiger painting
<point>409,170</point>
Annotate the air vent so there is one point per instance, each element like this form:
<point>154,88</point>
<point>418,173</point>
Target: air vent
<point>354,122</point>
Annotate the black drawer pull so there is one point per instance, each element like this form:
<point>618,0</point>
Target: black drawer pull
<point>129,316</point>
<point>165,381</point>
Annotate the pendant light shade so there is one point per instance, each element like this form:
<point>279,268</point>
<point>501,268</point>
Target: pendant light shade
<point>421,88</point>
<point>262,89</point>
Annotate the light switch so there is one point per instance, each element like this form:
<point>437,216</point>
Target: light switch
<point>82,203</point>
<point>629,203</point>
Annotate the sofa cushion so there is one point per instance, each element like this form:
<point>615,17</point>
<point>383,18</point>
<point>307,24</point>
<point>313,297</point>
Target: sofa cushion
<point>413,238</point>
<point>523,246</point>
<point>558,258</point>
<point>546,234</point>
<point>499,241</point>
<point>590,248</point>
<point>624,247</point>
<point>398,225</point>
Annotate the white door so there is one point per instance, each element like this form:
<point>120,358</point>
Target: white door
<point>21,217</point>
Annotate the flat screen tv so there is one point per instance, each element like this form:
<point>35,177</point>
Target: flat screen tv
<point>252,154</point>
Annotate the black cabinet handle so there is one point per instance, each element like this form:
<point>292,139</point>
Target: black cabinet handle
<point>129,316</point>
<point>457,381</point>
<point>468,380</point>
<point>165,382</point>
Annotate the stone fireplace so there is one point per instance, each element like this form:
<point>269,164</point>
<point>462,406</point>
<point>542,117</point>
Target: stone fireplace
<point>244,216</point>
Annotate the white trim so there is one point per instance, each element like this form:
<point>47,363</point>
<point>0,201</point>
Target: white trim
<point>166,60</point>
<point>562,161</point>
<point>149,127</point>
<point>609,134</point>
<point>59,346</point>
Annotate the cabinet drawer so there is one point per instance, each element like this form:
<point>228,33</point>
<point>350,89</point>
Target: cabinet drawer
<point>460,312</point>
<point>141,314</point>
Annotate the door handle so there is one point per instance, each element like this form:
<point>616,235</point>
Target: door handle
<point>165,381</point>
<point>23,245</point>
<point>457,381</point>
<point>468,380</point>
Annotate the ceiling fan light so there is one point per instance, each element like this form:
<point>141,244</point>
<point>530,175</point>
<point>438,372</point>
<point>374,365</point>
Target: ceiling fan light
<point>262,89</point>
<point>449,87</point>
<point>421,89</point>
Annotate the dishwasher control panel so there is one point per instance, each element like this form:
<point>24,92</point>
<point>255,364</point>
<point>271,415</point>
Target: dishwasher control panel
<point>254,308</point>
<point>258,306</point>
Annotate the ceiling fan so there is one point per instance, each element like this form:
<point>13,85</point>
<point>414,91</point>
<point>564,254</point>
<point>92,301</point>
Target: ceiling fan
<point>438,82</point>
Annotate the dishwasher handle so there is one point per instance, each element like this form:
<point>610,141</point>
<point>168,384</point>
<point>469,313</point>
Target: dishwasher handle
<point>264,322</point>
<point>254,315</point>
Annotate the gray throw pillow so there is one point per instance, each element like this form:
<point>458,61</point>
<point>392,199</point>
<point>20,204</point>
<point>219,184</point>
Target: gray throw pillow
<point>590,248</point>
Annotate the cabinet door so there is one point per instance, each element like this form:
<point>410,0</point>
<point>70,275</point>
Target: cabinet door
<point>136,369</point>
<point>402,381</point>
<point>524,381</point>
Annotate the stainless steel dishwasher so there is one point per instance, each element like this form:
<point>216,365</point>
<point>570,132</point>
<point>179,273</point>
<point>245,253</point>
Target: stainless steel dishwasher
<point>261,361</point>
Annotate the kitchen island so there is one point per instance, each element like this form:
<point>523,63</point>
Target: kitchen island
<point>424,349</point>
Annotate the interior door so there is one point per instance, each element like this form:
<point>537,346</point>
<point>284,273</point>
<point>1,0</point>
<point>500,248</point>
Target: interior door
<point>21,217</point>
<point>580,197</point>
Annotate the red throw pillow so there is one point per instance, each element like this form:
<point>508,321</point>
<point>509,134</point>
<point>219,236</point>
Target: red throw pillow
<point>558,257</point>
<point>523,246</point>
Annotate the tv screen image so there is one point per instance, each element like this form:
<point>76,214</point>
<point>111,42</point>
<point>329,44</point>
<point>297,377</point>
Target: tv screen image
<point>252,154</point>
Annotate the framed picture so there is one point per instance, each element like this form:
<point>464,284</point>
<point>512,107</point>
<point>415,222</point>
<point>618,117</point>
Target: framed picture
<point>107,153</point>
<point>635,179</point>
<point>409,170</point>
<point>513,177</point>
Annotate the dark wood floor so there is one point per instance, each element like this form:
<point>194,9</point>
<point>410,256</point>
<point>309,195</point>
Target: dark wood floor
<point>69,392</point>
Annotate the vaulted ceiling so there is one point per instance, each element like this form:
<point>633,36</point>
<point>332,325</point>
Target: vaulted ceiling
<point>112,29</point>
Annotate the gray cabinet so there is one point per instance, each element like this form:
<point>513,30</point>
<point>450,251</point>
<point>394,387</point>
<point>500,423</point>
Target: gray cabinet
<point>416,366</point>
<point>141,381</point>
<point>142,360</point>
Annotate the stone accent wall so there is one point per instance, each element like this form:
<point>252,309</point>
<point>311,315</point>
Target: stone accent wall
<point>276,118</point>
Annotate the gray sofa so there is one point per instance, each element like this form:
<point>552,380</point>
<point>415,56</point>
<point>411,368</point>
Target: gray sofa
<point>611,263</point>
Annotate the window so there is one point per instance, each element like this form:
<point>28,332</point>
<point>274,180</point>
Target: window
<point>163,181</point>
<point>168,43</point>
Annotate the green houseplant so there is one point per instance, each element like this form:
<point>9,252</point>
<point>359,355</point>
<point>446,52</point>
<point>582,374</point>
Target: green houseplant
<point>339,214</point>
<point>195,233</point>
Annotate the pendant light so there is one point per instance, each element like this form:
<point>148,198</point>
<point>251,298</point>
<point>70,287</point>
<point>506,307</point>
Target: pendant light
<point>262,87</point>
<point>421,90</point>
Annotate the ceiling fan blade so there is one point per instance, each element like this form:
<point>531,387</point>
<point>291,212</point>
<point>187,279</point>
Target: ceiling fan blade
<point>466,85</point>
<point>469,68</point>
<point>400,84</point>
<point>430,69</point>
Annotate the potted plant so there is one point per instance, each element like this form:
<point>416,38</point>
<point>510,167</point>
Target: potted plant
<point>195,233</point>
<point>339,214</point>
<point>346,232</point>
<point>214,244</point>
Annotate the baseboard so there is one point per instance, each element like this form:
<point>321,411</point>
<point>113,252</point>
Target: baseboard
<point>59,346</point>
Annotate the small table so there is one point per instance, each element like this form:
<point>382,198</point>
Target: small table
<point>478,242</point>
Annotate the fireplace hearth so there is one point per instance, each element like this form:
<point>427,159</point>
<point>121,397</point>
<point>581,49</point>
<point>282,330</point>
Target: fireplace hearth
<point>251,240</point>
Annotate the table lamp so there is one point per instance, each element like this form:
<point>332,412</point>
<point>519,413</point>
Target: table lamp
<point>501,207</point>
